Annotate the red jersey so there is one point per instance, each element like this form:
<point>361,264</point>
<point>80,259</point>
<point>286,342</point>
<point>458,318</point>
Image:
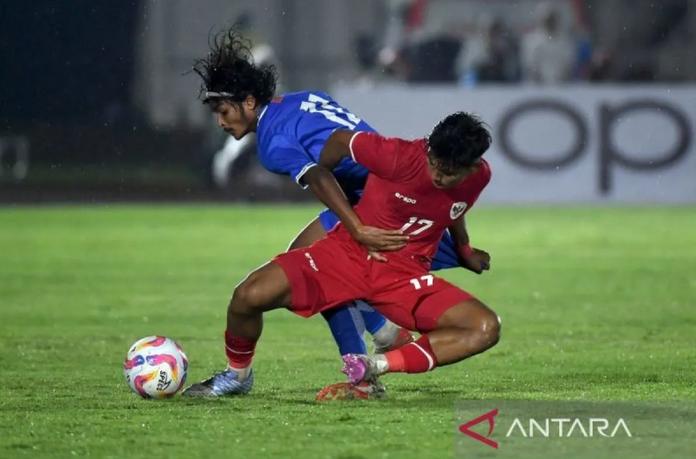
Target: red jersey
<point>400,194</point>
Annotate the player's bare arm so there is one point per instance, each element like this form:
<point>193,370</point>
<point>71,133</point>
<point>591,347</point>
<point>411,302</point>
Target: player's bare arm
<point>323,184</point>
<point>473,259</point>
<point>336,148</point>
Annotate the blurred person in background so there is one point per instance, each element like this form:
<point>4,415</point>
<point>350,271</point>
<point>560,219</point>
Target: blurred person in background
<point>415,53</point>
<point>491,55</point>
<point>404,19</point>
<point>654,42</point>
<point>548,51</point>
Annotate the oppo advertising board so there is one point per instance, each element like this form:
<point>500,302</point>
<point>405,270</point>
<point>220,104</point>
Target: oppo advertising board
<point>623,144</point>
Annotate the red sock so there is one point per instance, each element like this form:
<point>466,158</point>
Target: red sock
<point>239,350</point>
<point>415,357</point>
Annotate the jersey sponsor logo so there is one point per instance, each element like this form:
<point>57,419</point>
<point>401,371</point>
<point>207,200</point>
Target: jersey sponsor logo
<point>457,210</point>
<point>311,261</point>
<point>405,199</point>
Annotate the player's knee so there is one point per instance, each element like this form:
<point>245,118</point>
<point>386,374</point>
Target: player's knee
<point>488,329</point>
<point>248,296</point>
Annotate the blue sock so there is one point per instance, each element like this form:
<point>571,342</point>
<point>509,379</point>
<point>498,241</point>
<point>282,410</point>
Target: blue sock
<point>347,328</point>
<point>373,319</point>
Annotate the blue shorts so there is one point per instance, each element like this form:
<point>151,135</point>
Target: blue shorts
<point>446,256</point>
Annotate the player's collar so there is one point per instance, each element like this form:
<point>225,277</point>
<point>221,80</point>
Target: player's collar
<point>263,112</point>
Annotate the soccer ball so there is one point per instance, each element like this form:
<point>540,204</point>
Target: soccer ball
<point>155,367</point>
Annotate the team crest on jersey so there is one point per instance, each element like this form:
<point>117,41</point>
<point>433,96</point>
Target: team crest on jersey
<point>457,210</point>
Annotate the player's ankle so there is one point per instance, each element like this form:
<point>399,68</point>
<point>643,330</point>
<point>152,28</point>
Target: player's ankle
<point>386,335</point>
<point>380,364</point>
<point>415,357</point>
<point>239,351</point>
<point>394,361</point>
<point>242,373</point>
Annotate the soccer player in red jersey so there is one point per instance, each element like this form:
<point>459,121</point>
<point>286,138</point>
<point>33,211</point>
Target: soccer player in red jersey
<point>422,187</point>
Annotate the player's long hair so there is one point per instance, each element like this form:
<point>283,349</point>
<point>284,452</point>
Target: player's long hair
<point>458,141</point>
<point>229,67</point>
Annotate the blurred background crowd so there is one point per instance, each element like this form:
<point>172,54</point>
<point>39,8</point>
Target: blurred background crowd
<point>530,41</point>
<point>97,100</point>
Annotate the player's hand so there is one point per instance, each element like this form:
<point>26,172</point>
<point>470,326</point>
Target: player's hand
<point>376,256</point>
<point>478,262</point>
<point>379,240</point>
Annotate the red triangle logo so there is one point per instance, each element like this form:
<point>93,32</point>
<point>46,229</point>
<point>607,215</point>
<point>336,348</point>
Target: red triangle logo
<point>490,417</point>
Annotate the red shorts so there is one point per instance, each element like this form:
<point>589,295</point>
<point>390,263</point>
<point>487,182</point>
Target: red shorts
<point>333,271</point>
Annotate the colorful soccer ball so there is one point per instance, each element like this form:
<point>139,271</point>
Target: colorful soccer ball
<point>155,367</point>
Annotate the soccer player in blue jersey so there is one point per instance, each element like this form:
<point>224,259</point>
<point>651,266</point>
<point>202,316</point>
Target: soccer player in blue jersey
<point>292,130</point>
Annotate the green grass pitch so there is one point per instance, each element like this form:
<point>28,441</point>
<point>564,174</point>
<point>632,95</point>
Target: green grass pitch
<point>597,305</point>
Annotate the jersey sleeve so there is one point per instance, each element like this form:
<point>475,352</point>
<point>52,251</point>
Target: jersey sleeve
<point>483,177</point>
<point>286,156</point>
<point>380,155</point>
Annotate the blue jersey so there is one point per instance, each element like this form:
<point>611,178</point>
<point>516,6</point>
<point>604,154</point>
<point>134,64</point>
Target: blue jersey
<point>292,131</point>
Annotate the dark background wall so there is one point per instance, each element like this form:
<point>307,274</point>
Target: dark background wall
<point>66,61</point>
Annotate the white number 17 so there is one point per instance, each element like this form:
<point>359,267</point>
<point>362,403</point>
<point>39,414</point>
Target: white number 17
<point>425,224</point>
<point>428,278</point>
